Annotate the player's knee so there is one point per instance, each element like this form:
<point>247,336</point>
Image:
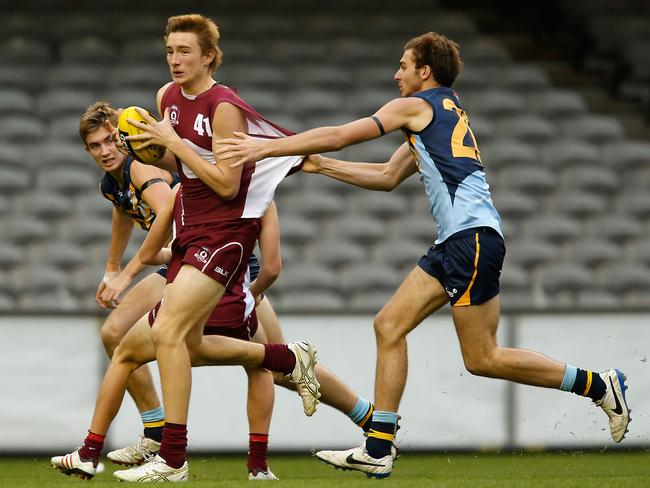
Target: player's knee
<point>479,365</point>
<point>164,336</point>
<point>386,330</point>
<point>111,335</point>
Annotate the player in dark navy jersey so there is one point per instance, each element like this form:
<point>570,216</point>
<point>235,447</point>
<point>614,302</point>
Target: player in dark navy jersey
<point>463,266</point>
<point>137,192</point>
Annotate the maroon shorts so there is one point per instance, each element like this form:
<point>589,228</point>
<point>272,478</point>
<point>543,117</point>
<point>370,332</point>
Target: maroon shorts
<point>244,331</point>
<point>219,250</point>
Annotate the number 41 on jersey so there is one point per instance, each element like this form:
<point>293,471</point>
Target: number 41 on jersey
<point>202,125</point>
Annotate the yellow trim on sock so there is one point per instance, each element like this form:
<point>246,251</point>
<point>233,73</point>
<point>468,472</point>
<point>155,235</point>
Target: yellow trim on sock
<point>365,419</point>
<point>589,378</point>
<point>157,423</point>
<point>381,435</point>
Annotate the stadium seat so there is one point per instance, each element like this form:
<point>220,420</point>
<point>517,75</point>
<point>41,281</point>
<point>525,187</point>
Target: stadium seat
<point>309,302</point>
<point>146,51</point>
<point>65,129</point>
<point>514,205</point>
<point>524,79</point>
<point>626,277</point>
<point>529,128</point>
<point>68,180</point>
<point>95,205</point>
<point>13,181</point>
<point>378,204</point>
<point>298,52</point>
<point>314,102</point>
<point>56,154</point>
<point>297,230</point>
<point>369,301</point>
<point>568,153</point>
<point>514,278</point>
<point>24,231</point>
<point>372,278</point>
<point>553,227</point>
<point>566,277</point>
<point>590,252</point>
<point>591,179</point>
<point>61,102</point>
<point>597,299</point>
<point>62,255</point>
<point>399,253</point>
<point>533,180</point>
<point>558,104</point>
<point>47,206</point>
<point>20,77</point>
<point>617,227</point>
<point>7,302</point>
<point>16,102</point>
<point>39,278</point>
<point>579,204</point>
<point>87,231</point>
<point>306,276</point>
<point>366,102</point>
<point>45,300</point>
<point>420,228</point>
<point>485,51</point>
<point>76,76</point>
<point>495,103</point>
<point>140,77</point>
<point>377,76</point>
<point>597,129</point>
<point>24,51</point>
<point>528,253</point>
<point>11,255</point>
<point>626,154</point>
<point>319,76</point>
<point>314,205</point>
<point>501,153</point>
<point>89,50</point>
<point>21,130</point>
<point>125,97</point>
<point>335,253</point>
<point>358,228</point>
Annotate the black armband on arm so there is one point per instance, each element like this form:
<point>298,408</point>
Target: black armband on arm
<point>379,124</point>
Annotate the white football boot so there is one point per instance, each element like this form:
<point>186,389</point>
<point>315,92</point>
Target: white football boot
<point>614,403</point>
<point>262,475</point>
<point>304,375</point>
<point>155,470</point>
<point>358,459</point>
<point>135,454</point>
<point>71,464</point>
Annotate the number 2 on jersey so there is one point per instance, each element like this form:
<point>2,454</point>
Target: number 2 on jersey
<point>458,148</point>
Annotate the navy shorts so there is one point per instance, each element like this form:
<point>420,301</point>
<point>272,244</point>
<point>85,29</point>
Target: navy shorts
<point>468,264</point>
<point>162,271</point>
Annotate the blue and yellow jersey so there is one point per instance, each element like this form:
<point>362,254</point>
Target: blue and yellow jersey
<point>450,166</point>
<point>127,198</point>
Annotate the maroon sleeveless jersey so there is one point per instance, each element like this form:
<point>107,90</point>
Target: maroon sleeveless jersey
<point>192,118</point>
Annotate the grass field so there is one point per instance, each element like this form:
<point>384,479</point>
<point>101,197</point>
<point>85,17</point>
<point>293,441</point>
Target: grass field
<point>569,469</point>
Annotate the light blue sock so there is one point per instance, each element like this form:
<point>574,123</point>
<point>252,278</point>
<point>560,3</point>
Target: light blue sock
<point>384,417</point>
<point>359,411</point>
<point>569,378</point>
<point>154,415</point>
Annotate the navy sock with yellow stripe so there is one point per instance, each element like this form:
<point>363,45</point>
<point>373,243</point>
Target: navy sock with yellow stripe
<point>583,382</point>
<point>381,434</point>
<point>153,421</point>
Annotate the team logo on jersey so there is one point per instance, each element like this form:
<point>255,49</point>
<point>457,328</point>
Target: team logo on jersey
<point>174,114</point>
<point>201,256</point>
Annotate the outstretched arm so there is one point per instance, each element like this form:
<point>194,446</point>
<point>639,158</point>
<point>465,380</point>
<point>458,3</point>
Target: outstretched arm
<point>412,113</point>
<point>372,176</point>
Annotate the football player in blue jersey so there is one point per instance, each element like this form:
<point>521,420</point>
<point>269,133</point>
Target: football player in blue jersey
<point>462,267</point>
<point>137,192</point>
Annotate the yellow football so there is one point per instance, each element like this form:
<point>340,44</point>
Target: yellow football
<point>148,155</point>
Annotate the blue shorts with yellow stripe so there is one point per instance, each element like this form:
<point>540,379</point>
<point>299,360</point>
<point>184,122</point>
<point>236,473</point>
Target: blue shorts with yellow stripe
<point>468,264</point>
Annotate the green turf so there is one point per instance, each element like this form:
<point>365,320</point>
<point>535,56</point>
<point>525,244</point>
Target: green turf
<point>570,469</point>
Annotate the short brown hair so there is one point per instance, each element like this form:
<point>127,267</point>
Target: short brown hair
<point>438,52</point>
<point>98,115</point>
<point>205,29</point>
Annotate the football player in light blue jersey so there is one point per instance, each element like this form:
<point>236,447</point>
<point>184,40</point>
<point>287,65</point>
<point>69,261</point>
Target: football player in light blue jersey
<point>464,265</point>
